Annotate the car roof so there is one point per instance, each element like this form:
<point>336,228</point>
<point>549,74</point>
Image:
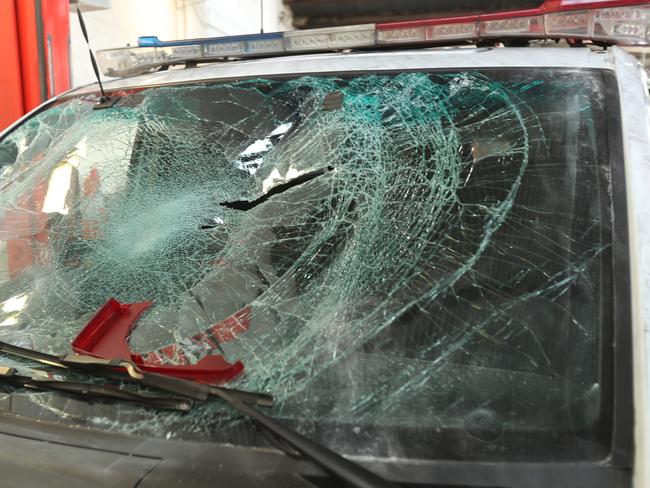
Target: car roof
<point>364,62</point>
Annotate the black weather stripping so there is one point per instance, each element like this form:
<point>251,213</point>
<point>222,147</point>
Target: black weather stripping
<point>299,180</point>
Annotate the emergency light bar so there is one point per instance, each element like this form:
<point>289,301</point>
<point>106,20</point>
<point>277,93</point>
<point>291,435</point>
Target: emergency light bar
<point>625,22</point>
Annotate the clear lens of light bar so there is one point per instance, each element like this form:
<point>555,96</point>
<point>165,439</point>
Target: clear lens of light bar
<point>570,24</point>
<point>264,45</point>
<point>520,26</point>
<point>242,45</point>
<point>220,49</point>
<point>186,52</point>
<point>127,61</point>
<point>629,24</point>
<point>332,38</point>
<point>402,34</point>
<point>461,30</point>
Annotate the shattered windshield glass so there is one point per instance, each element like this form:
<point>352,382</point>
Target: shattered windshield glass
<point>414,264</point>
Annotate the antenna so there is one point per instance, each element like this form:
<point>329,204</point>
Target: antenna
<point>261,16</point>
<point>104,101</point>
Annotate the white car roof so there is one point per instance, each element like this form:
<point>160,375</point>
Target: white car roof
<point>351,62</point>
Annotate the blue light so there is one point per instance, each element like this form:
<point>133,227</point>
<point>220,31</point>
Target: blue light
<point>153,41</point>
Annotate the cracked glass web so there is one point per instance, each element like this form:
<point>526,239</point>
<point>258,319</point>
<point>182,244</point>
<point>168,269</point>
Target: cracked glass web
<point>445,260</point>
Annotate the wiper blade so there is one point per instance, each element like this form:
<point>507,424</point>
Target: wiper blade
<point>39,380</point>
<point>107,369</point>
<point>37,356</point>
<point>354,474</point>
<point>346,470</point>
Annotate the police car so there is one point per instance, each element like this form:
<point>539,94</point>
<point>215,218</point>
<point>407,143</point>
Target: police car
<point>426,240</point>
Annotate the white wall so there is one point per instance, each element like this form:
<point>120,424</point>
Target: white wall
<point>126,20</point>
<point>204,18</point>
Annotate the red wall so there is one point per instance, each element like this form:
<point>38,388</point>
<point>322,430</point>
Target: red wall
<point>29,59</point>
<point>56,25</point>
<point>34,35</point>
<point>11,92</point>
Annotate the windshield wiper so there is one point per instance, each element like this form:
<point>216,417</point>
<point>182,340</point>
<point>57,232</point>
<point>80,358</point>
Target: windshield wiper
<point>281,188</point>
<point>346,470</point>
<point>108,368</point>
<point>40,380</point>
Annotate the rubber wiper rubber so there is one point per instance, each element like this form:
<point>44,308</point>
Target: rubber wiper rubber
<point>108,392</point>
<point>109,369</point>
<point>91,391</point>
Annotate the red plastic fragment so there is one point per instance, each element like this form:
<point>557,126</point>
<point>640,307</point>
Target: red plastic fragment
<point>106,336</point>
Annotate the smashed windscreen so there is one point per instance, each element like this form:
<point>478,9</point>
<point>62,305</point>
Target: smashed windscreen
<point>413,264</point>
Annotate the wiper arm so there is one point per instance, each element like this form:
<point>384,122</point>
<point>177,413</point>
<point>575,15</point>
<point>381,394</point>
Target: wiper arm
<point>344,469</point>
<point>39,380</point>
<point>336,464</point>
<point>107,368</point>
<point>281,188</point>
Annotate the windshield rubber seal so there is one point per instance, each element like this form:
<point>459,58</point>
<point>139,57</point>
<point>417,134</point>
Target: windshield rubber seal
<point>623,395</point>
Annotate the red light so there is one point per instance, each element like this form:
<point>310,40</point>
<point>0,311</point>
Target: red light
<point>559,5</point>
<point>619,21</point>
<point>548,6</point>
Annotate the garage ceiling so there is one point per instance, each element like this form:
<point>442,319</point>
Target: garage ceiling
<point>309,14</point>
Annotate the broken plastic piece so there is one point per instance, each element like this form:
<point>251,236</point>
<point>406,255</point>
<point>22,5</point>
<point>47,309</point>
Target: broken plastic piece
<point>106,334</point>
